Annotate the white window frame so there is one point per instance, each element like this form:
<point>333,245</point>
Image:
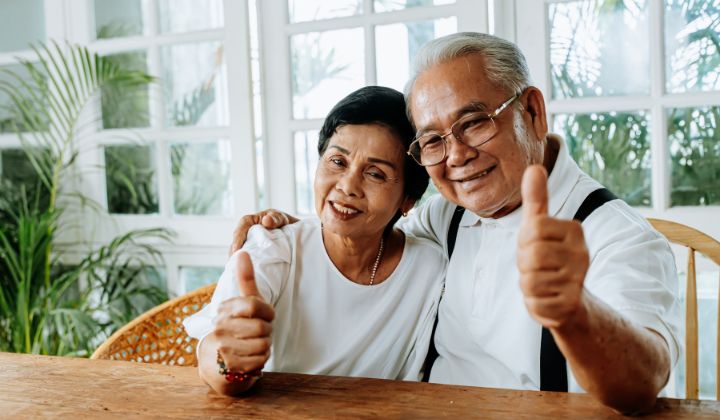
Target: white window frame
<point>532,31</point>
<point>280,126</point>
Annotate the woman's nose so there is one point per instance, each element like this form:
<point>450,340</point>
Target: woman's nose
<point>350,183</point>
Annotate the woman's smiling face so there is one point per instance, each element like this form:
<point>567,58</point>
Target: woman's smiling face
<point>359,180</point>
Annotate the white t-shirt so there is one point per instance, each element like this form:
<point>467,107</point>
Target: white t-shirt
<point>485,336</point>
<point>328,325</point>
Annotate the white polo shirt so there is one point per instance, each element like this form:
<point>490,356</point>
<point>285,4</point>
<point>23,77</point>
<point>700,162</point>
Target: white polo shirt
<point>485,336</point>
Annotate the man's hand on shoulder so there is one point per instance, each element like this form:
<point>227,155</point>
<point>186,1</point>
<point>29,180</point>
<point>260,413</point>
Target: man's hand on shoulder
<point>270,219</point>
<point>552,258</point>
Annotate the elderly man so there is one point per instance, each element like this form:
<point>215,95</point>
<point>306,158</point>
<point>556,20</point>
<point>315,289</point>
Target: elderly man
<point>546,272</point>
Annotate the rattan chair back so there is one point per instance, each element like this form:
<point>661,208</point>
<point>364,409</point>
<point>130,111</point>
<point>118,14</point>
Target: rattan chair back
<point>158,336</point>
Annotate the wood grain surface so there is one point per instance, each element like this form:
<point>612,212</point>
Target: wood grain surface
<point>42,386</point>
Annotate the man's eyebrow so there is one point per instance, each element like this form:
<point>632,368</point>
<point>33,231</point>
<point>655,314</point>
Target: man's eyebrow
<point>475,106</point>
<point>372,159</point>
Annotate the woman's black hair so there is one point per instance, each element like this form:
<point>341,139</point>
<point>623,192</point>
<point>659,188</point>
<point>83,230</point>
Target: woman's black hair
<point>386,107</point>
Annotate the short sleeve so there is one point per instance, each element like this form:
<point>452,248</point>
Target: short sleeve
<point>428,221</point>
<point>270,252</point>
<point>633,271</point>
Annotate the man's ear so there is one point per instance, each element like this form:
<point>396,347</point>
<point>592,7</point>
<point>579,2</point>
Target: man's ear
<point>535,110</point>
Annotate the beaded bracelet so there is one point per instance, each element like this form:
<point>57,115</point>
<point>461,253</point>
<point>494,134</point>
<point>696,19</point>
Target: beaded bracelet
<point>235,376</point>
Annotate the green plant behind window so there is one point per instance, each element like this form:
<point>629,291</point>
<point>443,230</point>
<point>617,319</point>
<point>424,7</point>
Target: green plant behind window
<point>48,307</point>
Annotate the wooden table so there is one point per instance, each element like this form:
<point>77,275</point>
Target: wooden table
<point>41,386</point>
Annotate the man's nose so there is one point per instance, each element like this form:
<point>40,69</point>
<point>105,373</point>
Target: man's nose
<point>458,153</point>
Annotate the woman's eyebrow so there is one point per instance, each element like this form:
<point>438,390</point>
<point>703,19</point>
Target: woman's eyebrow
<point>341,149</point>
<point>371,159</point>
<point>386,162</point>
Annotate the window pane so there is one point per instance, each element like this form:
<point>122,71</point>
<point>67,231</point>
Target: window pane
<point>131,180</point>
<point>195,277</point>
<point>326,66</point>
<point>190,15</point>
<point>613,148</point>
<point>21,23</point>
<point>303,10</point>
<point>123,107</point>
<point>195,84</point>
<point>19,179</point>
<point>398,44</point>
<point>201,174</point>
<point>692,33</point>
<point>389,5</point>
<point>9,122</point>
<point>694,141</point>
<point>306,158</point>
<point>114,19</point>
<point>599,48</point>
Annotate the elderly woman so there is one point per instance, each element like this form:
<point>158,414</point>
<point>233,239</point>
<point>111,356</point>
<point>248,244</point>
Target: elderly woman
<point>342,294</point>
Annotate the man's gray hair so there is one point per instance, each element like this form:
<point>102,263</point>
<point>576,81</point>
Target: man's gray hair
<point>505,65</point>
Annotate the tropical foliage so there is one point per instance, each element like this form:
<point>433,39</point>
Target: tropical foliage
<point>55,300</point>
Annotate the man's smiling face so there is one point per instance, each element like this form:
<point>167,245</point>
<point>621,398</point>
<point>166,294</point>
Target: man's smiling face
<point>487,180</point>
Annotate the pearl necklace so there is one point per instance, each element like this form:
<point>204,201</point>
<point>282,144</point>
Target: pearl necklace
<point>377,261</point>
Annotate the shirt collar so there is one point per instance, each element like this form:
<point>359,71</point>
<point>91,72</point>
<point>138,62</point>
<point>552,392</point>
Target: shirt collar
<point>561,181</point>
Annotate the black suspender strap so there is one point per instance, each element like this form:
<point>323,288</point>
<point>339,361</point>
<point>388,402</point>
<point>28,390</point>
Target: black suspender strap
<point>451,236</point>
<point>553,367</point>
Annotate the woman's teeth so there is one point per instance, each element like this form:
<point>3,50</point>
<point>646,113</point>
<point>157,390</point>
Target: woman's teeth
<point>342,209</point>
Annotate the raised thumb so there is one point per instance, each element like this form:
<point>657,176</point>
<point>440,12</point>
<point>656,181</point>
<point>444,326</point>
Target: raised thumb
<point>245,275</point>
<point>534,191</point>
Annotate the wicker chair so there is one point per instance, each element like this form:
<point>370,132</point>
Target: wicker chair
<point>694,240</point>
<point>158,336</point>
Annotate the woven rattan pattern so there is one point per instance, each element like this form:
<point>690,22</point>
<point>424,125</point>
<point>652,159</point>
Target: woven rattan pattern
<point>158,336</point>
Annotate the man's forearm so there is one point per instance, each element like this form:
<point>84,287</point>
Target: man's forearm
<point>620,363</point>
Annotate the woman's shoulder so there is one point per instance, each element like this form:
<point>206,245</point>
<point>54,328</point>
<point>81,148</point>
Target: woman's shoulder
<point>425,249</point>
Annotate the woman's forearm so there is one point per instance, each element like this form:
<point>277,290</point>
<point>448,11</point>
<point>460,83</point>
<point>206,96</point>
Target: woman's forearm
<point>209,370</point>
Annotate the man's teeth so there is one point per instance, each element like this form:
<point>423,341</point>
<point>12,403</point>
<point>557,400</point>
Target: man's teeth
<point>481,174</point>
<point>342,209</point>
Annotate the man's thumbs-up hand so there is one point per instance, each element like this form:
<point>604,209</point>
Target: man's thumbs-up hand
<point>552,257</point>
<point>243,324</point>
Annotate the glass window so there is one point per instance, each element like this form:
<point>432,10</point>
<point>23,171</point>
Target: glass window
<point>18,173</point>
<point>22,22</point>
<point>304,10</point>
<point>201,173</point>
<point>613,148</point>
<point>195,84</point>
<point>131,181</point>
<point>397,44</point>
<point>692,50</point>
<point>123,108</point>
<point>190,15</point>
<point>115,19</point>
<point>694,141</point>
<point>390,5</point>
<point>195,277</point>
<point>8,121</point>
<point>306,158</point>
<point>326,66</point>
<point>594,48</point>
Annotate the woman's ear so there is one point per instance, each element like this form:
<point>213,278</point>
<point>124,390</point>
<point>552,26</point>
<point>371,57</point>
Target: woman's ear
<point>406,205</point>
